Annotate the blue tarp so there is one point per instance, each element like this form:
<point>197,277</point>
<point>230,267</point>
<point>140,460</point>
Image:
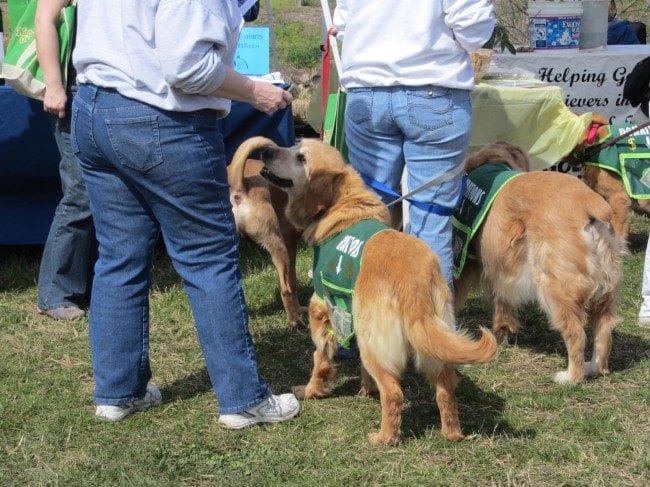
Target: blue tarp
<point>30,187</point>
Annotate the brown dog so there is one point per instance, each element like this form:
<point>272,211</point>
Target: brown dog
<point>548,237</point>
<point>609,185</point>
<point>401,307</point>
<point>259,214</point>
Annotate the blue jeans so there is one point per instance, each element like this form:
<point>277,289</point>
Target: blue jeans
<point>423,129</point>
<point>644,311</point>
<point>149,171</point>
<point>70,250</point>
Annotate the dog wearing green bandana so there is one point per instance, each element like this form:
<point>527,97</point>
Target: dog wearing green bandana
<point>540,236</point>
<point>619,173</point>
<point>400,307</point>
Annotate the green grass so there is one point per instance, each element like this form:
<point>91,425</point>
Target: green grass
<point>522,428</point>
<point>297,32</point>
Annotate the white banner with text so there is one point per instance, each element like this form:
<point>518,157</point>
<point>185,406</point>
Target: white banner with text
<point>592,80</point>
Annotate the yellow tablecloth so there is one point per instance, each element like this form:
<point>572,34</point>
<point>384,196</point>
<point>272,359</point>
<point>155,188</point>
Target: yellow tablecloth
<point>534,118</point>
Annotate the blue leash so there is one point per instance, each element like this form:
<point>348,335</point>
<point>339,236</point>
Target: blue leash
<point>428,207</point>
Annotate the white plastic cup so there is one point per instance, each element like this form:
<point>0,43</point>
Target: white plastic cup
<point>593,27</point>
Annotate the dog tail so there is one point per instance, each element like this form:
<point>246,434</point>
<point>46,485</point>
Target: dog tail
<point>437,340</point>
<point>236,166</point>
<point>606,247</point>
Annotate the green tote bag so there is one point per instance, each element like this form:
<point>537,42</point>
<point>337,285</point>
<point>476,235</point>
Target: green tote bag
<point>20,67</point>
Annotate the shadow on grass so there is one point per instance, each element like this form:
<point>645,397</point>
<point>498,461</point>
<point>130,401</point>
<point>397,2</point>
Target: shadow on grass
<point>19,266</point>
<point>637,241</point>
<point>537,336</point>
<point>284,358</point>
<point>186,387</point>
<point>480,411</point>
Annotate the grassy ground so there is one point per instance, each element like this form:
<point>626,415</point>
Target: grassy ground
<point>523,429</point>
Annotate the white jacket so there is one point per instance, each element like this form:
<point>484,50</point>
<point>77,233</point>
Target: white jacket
<point>171,54</point>
<point>411,42</point>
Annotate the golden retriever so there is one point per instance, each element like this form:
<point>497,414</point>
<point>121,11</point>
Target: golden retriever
<point>609,185</point>
<point>259,214</point>
<point>549,238</point>
<point>402,306</point>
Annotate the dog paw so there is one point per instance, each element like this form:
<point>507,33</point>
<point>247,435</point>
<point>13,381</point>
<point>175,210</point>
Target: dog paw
<point>591,369</point>
<point>380,439</point>
<point>305,392</point>
<point>453,435</point>
<point>563,378</point>
<point>297,324</point>
<point>501,334</point>
<point>299,391</point>
<point>367,391</point>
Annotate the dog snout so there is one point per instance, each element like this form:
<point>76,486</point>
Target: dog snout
<point>268,153</point>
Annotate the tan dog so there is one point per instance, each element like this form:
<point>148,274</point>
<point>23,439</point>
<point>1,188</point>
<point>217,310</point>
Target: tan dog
<point>259,214</point>
<point>610,186</point>
<point>402,306</point>
<point>548,238</point>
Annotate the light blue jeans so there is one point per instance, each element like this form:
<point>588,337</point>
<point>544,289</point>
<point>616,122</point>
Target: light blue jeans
<point>146,171</point>
<point>644,311</point>
<point>423,129</point>
<point>70,250</point>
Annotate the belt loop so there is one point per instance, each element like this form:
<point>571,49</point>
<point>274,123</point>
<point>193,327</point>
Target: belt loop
<point>93,91</point>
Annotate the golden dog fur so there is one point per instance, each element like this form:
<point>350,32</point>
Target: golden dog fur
<point>610,186</point>
<point>549,238</point>
<point>402,306</point>
<point>259,214</point>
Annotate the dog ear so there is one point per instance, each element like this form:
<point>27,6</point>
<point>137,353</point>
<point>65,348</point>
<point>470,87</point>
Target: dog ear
<point>320,192</point>
<point>500,151</point>
<point>519,158</point>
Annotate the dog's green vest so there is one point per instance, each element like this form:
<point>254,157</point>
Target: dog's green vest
<point>336,266</point>
<point>483,185</point>
<point>629,158</point>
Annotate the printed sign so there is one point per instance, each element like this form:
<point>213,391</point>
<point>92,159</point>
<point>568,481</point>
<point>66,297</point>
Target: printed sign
<point>555,32</point>
<point>252,55</point>
<point>591,81</point>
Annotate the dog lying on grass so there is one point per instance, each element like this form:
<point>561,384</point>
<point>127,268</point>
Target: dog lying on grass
<point>401,305</point>
<point>547,237</point>
<point>259,214</point>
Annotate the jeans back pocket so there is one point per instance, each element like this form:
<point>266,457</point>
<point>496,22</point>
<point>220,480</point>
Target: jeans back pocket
<point>136,141</point>
<point>429,107</point>
<point>359,105</point>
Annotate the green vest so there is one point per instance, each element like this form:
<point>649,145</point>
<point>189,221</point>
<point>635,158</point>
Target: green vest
<point>336,266</point>
<point>629,158</point>
<point>483,185</point>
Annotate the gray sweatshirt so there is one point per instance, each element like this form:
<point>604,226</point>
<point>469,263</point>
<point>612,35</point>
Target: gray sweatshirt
<point>171,54</point>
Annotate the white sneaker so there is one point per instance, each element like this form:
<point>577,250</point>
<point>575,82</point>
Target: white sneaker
<point>117,413</point>
<point>273,409</point>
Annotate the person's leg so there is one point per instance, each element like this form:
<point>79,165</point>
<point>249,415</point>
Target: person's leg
<point>436,123</point>
<point>174,165</point>
<point>65,273</point>
<point>644,311</point>
<point>189,195</point>
<point>374,140</point>
<point>126,232</point>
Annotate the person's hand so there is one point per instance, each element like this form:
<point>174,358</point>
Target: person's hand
<point>269,98</point>
<point>54,100</point>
